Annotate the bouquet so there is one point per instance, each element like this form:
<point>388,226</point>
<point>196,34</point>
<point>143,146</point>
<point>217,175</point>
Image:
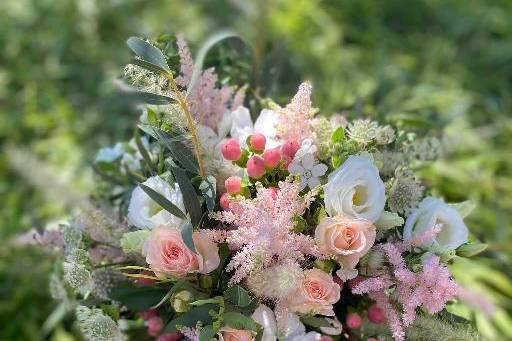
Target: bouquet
<point>208,225</point>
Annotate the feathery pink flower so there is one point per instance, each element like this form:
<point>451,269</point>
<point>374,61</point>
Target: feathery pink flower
<point>263,234</point>
<point>295,119</point>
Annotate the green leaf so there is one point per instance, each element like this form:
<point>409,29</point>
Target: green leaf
<point>471,249</point>
<point>237,295</point>
<point>207,333</point>
<point>189,195</point>
<point>238,321</point>
<point>338,136</point>
<point>163,202</point>
<point>143,152</point>
<point>464,208</point>
<point>388,220</point>
<point>148,98</point>
<point>315,322</point>
<point>211,41</point>
<point>133,241</point>
<point>179,151</point>
<point>148,52</point>
<point>186,234</point>
<point>138,298</point>
<point>208,189</point>
<point>190,318</point>
<point>452,318</point>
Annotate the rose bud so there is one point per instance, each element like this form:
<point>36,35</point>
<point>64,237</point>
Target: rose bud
<point>376,314</point>
<point>289,148</point>
<point>353,321</point>
<point>257,142</point>
<point>155,325</point>
<point>224,201</point>
<point>231,150</point>
<point>272,157</point>
<point>232,184</point>
<point>255,167</point>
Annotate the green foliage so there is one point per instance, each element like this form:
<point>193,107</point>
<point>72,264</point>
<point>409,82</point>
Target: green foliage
<point>238,296</point>
<point>138,298</point>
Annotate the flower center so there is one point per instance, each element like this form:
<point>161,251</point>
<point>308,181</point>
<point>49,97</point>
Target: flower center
<point>307,174</point>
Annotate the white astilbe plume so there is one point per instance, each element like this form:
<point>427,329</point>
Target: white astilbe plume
<point>275,282</point>
<point>263,236</point>
<point>104,280</point>
<point>96,326</point>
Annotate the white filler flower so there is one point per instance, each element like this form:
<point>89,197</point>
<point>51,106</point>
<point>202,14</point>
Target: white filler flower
<point>145,213</point>
<point>432,212</point>
<point>307,170</point>
<point>355,190</point>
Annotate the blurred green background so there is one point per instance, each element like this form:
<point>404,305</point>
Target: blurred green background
<point>442,66</point>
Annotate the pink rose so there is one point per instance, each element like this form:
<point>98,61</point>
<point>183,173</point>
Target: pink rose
<point>316,293</point>
<point>167,254</point>
<point>346,239</point>
<point>207,252</point>
<point>230,334</point>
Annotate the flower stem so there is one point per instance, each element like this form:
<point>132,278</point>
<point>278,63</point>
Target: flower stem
<point>190,121</point>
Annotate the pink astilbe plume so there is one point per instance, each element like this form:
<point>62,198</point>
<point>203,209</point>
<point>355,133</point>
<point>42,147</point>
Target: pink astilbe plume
<point>263,234</point>
<point>207,101</point>
<point>295,120</point>
<point>430,288</point>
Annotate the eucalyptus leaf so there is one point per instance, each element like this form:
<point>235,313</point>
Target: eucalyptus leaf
<point>238,321</point>
<point>147,52</point>
<point>208,189</point>
<point>179,151</point>
<point>148,98</point>
<point>190,318</point>
<point>237,295</point>
<point>464,208</point>
<point>315,322</point>
<point>163,202</point>
<point>186,234</point>
<point>138,298</point>
<point>207,333</point>
<point>133,241</point>
<point>189,195</point>
<point>388,220</point>
<point>144,152</point>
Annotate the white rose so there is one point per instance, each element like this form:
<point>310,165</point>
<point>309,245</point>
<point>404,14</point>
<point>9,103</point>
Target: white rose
<point>431,212</point>
<point>144,212</point>
<point>266,124</point>
<point>355,190</point>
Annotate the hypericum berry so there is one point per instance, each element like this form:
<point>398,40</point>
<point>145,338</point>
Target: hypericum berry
<point>255,167</point>
<point>257,142</point>
<point>155,325</point>
<point>224,201</point>
<point>272,157</point>
<point>146,315</point>
<point>290,147</point>
<point>376,314</point>
<point>232,184</point>
<point>285,162</point>
<point>353,321</point>
<point>231,150</point>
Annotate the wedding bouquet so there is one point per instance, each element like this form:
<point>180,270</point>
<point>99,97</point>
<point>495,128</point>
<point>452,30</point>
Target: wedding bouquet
<point>291,227</point>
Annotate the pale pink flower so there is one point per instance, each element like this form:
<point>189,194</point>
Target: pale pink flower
<point>167,254</point>
<point>263,234</point>
<point>316,293</point>
<point>345,239</point>
<point>295,119</point>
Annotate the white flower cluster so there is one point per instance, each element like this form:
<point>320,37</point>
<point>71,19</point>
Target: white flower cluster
<point>96,326</point>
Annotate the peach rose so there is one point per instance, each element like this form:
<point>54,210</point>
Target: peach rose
<point>230,334</point>
<point>207,252</point>
<point>347,240</point>
<point>167,254</point>
<point>316,293</point>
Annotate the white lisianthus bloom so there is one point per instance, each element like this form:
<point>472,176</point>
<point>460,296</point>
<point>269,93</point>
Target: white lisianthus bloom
<point>290,327</point>
<point>355,190</point>
<point>431,212</point>
<point>145,213</point>
<point>266,124</point>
